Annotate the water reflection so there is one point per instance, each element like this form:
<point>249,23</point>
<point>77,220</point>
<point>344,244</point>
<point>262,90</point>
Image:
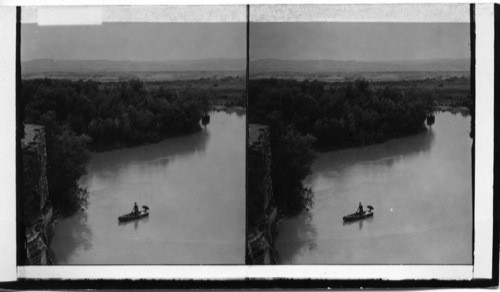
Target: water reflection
<point>136,223</point>
<point>386,153</point>
<point>71,235</point>
<point>301,236</point>
<point>359,222</point>
<point>159,153</point>
<point>239,111</point>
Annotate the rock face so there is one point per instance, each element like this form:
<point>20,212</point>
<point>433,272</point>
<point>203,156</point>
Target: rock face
<point>261,208</point>
<point>37,207</point>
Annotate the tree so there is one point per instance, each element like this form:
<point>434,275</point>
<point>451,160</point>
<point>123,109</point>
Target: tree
<point>67,157</point>
<point>340,115</point>
<point>430,120</point>
<point>292,157</point>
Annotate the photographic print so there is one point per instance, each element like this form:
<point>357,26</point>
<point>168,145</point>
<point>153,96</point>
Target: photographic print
<point>360,146</point>
<point>365,159</point>
<point>134,137</point>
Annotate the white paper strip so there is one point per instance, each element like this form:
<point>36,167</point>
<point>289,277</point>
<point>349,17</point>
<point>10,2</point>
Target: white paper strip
<point>7,139</point>
<point>67,15</point>
<point>361,13</point>
<point>339,272</point>
<point>91,15</point>
<point>483,215</point>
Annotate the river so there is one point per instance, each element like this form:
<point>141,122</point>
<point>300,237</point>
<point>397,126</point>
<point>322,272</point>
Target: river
<point>195,187</point>
<point>420,187</point>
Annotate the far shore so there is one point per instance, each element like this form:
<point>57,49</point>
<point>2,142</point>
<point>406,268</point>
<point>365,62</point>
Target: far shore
<point>452,109</point>
<point>228,109</point>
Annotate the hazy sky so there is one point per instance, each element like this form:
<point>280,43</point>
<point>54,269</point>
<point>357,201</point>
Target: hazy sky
<point>359,41</point>
<point>134,41</point>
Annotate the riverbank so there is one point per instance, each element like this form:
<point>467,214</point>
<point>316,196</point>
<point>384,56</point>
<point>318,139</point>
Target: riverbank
<point>218,108</point>
<point>439,108</point>
<point>117,146</point>
<point>452,109</point>
<point>37,208</point>
<point>262,220</point>
<point>229,109</point>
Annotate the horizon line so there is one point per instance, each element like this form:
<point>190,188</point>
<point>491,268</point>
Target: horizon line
<point>366,61</point>
<point>259,59</point>
<point>143,61</point>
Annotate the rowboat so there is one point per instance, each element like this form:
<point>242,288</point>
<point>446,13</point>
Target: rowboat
<point>358,216</point>
<point>132,216</point>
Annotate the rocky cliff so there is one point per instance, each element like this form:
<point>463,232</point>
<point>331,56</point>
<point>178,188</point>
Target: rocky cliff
<point>37,207</point>
<point>261,208</point>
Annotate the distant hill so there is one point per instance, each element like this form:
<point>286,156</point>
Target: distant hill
<point>260,66</point>
<point>309,66</point>
<point>101,66</point>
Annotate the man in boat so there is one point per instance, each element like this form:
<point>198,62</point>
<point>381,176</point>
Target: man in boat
<point>135,211</point>
<point>360,209</point>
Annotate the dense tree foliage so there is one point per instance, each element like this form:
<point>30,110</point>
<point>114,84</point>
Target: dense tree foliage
<point>292,157</point>
<point>115,114</point>
<point>278,162</point>
<point>351,114</point>
<point>67,158</point>
<point>79,114</point>
<point>257,188</point>
<point>450,91</point>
